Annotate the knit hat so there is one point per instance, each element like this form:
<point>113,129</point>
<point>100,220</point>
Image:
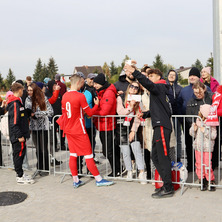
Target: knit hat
<point>40,84</point>
<point>194,72</point>
<point>100,79</point>
<point>205,110</point>
<point>207,69</point>
<point>57,77</point>
<point>8,94</point>
<point>46,80</point>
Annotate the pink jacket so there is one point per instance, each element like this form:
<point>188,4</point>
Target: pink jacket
<point>213,84</point>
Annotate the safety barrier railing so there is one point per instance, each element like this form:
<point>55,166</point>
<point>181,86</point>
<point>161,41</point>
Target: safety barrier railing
<point>37,159</point>
<point>110,159</point>
<point>107,143</point>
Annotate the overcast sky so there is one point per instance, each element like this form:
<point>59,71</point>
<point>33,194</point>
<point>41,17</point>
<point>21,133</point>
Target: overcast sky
<point>91,32</point>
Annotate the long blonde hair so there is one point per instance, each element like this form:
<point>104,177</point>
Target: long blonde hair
<point>136,107</point>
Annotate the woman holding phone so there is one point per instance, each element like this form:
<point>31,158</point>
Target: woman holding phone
<point>130,106</point>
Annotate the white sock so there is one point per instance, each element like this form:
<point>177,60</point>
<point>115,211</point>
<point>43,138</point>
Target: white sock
<point>98,178</point>
<point>75,179</point>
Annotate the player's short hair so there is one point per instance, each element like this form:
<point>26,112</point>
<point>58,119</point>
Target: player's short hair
<point>16,87</point>
<point>74,78</point>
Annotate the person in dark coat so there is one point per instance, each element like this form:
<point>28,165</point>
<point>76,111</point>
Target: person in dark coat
<point>174,91</point>
<point>160,113</point>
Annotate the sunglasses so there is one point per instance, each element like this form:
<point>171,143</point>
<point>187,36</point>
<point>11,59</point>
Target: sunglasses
<point>134,87</point>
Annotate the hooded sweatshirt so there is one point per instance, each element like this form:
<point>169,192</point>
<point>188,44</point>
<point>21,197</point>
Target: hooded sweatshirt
<point>17,119</point>
<point>174,91</point>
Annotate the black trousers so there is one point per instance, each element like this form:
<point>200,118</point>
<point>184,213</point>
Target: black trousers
<point>189,147</point>
<point>110,151</point>
<point>62,139</point>
<point>160,155</point>
<point>40,140</point>
<point>19,150</point>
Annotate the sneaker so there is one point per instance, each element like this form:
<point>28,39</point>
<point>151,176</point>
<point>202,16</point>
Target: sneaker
<point>163,193</point>
<point>25,179</point>
<point>129,176</point>
<point>76,185</point>
<point>142,177</point>
<point>104,182</point>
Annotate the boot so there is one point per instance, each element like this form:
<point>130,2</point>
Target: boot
<point>205,184</point>
<point>212,182</point>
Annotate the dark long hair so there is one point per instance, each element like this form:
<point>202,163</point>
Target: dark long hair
<point>38,98</point>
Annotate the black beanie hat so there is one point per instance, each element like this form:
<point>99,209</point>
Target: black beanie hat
<point>194,72</point>
<point>100,79</point>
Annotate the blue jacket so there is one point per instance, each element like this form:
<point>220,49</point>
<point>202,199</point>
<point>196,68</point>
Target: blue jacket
<point>88,96</point>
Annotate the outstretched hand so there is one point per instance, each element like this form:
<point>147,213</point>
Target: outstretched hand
<point>96,101</point>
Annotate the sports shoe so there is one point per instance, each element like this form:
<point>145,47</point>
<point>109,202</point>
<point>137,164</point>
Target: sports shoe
<point>104,182</point>
<point>163,193</point>
<point>76,185</point>
<point>25,179</point>
<point>142,177</point>
<point>129,176</point>
<point>212,182</point>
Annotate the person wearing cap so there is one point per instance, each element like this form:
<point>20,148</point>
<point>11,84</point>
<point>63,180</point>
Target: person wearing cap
<point>90,93</point>
<point>185,95</point>
<point>208,80</point>
<point>62,85</point>
<point>106,125</point>
<point>160,114</point>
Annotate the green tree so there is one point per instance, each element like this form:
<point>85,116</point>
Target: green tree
<point>113,69</point>
<point>198,64</point>
<point>2,84</point>
<point>44,73</point>
<point>106,70</point>
<point>210,63</point>
<point>10,79</point>
<point>158,64</point>
<point>52,68</point>
<point>38,71</point>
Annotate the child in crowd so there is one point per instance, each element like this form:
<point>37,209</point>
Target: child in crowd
<point>209,135</point>
<point>18,131</point>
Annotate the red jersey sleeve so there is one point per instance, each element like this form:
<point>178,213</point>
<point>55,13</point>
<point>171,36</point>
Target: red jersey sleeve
<point>54,97</point>
<point>86,107</point>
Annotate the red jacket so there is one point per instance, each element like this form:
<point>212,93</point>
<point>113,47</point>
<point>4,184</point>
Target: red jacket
<point>107,106</point>
<point>219,108</point>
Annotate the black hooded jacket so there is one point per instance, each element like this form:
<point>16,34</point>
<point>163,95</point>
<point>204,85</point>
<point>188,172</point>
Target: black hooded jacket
<point>17,119</point>
<point>57,106</point>
<point>122,84</point>
<point>174,91</point>
<point>160,109</point>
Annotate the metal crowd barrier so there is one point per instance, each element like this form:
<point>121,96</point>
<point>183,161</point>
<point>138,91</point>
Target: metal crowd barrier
<point>58,154</point>
<point>103,161</point>
<point>37,160</point>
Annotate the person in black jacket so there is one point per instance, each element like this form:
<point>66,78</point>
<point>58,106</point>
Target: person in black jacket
<point>57,108</point>
<point>160,113</point>
<point>174,91</point>
<point>18,131</point>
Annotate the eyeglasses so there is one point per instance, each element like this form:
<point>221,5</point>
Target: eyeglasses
<point>134,87</point>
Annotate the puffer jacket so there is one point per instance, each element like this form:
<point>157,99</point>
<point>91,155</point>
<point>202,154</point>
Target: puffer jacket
<point>107,106</point>
<point>17,119</point>
<point>207,144</point>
